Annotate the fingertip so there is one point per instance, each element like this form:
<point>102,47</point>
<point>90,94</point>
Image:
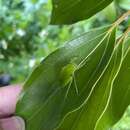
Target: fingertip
<point>12,123</point>
<point>8,99</point>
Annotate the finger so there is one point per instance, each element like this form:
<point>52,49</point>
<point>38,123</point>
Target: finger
<point>12,123</point>
<point>8,99</point>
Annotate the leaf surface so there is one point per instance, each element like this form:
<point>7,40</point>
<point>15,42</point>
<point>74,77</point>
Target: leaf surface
<point>71,11</point>
<point>57,85</point>
<point>87,116</point>
<point>120,95</point>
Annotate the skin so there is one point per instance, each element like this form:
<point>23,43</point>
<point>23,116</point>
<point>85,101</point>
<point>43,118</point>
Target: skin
<point>8,100</point>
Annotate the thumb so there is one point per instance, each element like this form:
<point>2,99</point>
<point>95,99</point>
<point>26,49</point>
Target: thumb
<point>12,123</point>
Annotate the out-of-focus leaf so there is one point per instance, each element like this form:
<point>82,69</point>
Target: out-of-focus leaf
<point>71,11</point>
<point>125,4</point>
<point>110,12</point>
<point>63,81</point>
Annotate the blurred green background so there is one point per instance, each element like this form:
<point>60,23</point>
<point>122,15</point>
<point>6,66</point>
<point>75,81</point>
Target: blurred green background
<point>26,38</point>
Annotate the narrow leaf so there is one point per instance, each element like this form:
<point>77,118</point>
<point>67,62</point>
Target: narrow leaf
<point>71,11</point>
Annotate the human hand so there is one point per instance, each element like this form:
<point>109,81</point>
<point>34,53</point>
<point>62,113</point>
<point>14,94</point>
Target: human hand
<point>8,99</point>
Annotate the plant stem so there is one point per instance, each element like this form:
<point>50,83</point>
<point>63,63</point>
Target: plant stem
<point>120,20</point>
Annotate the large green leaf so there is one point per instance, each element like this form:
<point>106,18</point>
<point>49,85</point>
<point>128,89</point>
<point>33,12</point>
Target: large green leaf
<point>71,11</point>
<point>63,81</point>
<point>120,95</point>
<point>87,116</point>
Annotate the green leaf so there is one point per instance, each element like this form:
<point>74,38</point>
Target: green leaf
<point>58,86</point>
<point>125,4</point>
<point>71,11</point>
<point>120,95</point>
<point>109,12</point>
<point>87,115</point>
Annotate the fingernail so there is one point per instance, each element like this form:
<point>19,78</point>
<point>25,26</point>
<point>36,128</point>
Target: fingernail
<point>13,123</point>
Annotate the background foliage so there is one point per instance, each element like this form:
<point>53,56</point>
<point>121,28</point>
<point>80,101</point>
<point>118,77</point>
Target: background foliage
<point>26,38</point>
